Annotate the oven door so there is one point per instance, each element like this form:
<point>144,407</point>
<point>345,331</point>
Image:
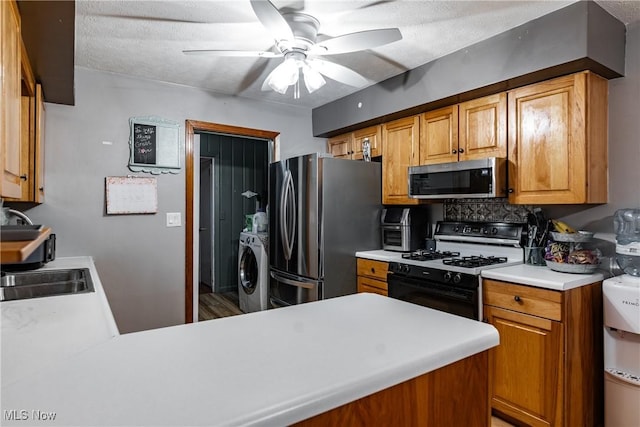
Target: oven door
<point>459,301</point>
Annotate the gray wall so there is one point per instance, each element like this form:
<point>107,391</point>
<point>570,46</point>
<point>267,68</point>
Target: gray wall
<point>240,164</point>
<point>140,261</point>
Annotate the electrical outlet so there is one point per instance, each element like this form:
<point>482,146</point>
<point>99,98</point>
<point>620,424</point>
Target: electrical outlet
<point>174,219</point>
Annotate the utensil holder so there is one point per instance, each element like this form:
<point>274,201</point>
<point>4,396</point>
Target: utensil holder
<point>534,255</point>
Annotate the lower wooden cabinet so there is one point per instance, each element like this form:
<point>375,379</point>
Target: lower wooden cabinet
<point>372,276</point>
<point>548,368</point>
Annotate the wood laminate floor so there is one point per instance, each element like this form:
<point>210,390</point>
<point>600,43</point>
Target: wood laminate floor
<point>215,306</point>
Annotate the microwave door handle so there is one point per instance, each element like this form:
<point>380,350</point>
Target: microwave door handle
<point>283,216</point>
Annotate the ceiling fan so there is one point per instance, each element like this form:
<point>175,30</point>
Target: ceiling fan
<point>295,36</point>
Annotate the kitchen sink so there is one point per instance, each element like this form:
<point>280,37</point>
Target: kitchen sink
<point>46,283</point>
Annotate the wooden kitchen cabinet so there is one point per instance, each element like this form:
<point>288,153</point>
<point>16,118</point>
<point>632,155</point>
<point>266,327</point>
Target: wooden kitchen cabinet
<point>439,136</point>
<point>475,129</point>
<point>350,145</point>
<point>547,370</point>
<point>10,149</point>
<point>372,276</point>
<point>340,146</point>
<point>400,149</point>
<point>372,134</point>
<point>558,141</point>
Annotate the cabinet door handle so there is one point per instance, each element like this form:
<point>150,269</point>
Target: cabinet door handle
<point>23,177</point>
<point>517,298</point>
<point>461,150</point>
<point>510,191</point>
<point>454,151</point>
<point>373,270</point>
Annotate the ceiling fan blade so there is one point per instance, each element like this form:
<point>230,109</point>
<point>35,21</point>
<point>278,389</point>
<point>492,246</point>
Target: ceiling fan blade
<point>337,72</point>
<point>154,19</point>
<point>271,18</point>
<point>352,42</point>
<point>235,53</point>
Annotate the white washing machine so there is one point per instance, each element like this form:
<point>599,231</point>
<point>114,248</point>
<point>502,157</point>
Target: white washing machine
<point>253,271</point>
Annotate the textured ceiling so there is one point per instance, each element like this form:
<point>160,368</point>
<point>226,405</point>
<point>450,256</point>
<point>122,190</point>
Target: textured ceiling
<point>146,38</point>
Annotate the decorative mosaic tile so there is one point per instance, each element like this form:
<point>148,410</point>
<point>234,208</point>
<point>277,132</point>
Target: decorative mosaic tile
<point>498,210</point>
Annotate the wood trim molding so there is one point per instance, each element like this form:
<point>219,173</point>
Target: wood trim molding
<point>191,128</point>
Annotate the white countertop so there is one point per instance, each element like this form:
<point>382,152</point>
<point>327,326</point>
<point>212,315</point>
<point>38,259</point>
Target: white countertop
<point>541,276</point>
<point>273,367</point>
<point>39,332</point>
<point>381,255</point>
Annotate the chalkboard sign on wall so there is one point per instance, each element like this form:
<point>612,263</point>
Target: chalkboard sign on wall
<point>144,144</point>
<point>156,145</point>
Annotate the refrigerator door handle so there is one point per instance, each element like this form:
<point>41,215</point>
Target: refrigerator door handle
<point>294,211</point>
<point>292,282</point>
<point>284,235</point>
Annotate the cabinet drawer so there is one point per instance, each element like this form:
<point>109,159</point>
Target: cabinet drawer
<point>524,299</point>
<point>366,284</point>
<point>371,268</point>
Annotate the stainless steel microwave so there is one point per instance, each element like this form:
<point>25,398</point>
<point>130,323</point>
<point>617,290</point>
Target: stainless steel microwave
<point>482,178</point>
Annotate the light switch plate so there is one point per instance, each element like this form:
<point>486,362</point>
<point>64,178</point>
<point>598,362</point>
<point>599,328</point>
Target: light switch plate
<point>174,219</point>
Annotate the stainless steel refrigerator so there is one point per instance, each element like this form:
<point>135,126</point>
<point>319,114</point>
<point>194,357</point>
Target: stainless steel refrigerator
<point>321,211</point>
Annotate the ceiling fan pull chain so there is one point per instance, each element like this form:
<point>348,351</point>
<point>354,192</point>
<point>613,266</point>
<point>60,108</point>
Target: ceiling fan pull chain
<point>296,90</point>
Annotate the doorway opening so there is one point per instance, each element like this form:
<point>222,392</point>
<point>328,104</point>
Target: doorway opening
<point>207,169</point>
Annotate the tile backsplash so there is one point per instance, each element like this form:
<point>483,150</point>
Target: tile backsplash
<point>497,209</point>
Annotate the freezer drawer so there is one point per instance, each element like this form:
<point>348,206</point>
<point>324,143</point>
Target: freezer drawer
<point>286,289</point>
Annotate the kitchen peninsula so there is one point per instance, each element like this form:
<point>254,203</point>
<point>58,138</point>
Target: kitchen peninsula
<point>360,359</point>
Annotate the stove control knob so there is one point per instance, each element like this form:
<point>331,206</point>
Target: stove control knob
<point>447,276</point>
<point>407,268</point>
<point>494,230</point>
<point>485,231</point>
<point>457,278</point>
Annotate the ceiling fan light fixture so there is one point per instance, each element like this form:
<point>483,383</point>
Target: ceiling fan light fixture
<point>313,80</point>
<point>284,75</point>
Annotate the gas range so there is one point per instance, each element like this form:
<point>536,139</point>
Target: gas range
<point>470,247</point>
<point>448,278</point>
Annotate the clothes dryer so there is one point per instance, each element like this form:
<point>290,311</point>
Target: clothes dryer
<point>253,272</point>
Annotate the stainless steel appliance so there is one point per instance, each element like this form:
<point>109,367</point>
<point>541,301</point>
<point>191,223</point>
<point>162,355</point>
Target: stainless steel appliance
<point>321,211</point>
<point>402,229</point>
<point>481,178</point>
<point>448,279</point>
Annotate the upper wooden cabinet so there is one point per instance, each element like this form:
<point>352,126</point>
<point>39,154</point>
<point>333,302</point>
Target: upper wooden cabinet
<point>558,141</point>
<point>400,149</point>
<point>439,136</point>
<point>351,145</point>
<point>22,152</point>
<point>340,146</point>
<point>475,129</point>
<point>10,147</point>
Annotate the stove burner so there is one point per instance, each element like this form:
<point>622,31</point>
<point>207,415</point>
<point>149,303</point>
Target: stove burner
<point>425,255</point>
<point>474,261</point>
